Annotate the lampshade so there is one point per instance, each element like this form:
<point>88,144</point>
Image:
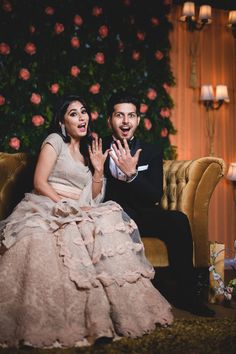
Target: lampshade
<point>189,8</point>
<point>207,93</point>
<point>222,93</point>
<point>232,18</point>
<point>231,175</point>
<point>205,12</point>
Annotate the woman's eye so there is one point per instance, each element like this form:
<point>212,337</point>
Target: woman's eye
<point>84,111</point>
<point>73,114</point>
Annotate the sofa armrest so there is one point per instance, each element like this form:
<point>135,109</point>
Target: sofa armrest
<point>16,176</point>
<point>188,186</point>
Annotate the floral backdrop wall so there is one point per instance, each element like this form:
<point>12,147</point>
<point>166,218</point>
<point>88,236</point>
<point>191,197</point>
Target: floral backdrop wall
<point>53,47</point>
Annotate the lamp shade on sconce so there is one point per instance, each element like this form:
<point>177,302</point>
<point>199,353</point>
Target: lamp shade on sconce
<point>232,18</point>
<point>222,93</point>
<point>231,175</point>
<point>189,9</point>
<point>205,13</point>
<point>207,93</point>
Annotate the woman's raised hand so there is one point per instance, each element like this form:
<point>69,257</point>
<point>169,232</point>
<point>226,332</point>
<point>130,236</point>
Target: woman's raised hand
<point>96,154</point>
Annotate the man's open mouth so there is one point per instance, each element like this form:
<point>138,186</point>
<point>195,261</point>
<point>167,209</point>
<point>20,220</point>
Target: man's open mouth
<point>125,129</point>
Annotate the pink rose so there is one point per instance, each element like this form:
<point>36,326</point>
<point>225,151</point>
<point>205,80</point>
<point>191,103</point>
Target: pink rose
<point>136,55</point>
<point>32,29</point>
<point>35,98</point>
<point>155,21</point>
<point>159,55</point>
<point>166,87</point>
<point>143,108</point>
<point>151,94</point>
<point>164,133</point>
<point>74,71</point>
<point>30,48</point>
<point>37,120</point>
<point>147,124</point>
<point>7,6</point>
<point>140,35</point>
<point>24,74</point>
<point>78,21</point>
<point>97,11</point>
<point>4,48</point>
<point>165,112</point>
<point>49,11</point>
<point>14,143</point>
<point>75,43</point>
<point>54,88</point>
<point>94,115</point>
<point>95,88</point>
<point>99,58</point>
<point>103,31</point>
<point>126,2</point>
<point>59,28</point>
<point>2,100</point>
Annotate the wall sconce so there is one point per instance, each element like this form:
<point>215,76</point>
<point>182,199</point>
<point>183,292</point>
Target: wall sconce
<point>211,103</point>
<point>207,96</point>
<point>232,22</point>
<point>231,176</point>
<point>188,16</point>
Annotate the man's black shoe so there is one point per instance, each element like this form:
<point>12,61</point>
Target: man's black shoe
<point>196,308</point>
<point>202,310</point>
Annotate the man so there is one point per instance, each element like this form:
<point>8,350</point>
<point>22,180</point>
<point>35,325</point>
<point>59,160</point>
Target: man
<point>134,172</point>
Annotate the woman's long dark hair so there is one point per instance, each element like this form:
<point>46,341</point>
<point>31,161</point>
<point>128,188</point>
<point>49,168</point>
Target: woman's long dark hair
<point>58,119</point>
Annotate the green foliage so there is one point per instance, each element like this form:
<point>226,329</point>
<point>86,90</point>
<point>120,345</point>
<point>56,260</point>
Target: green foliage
<point>132,39</point>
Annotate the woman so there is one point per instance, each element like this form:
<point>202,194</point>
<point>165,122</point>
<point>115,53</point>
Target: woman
<point>74,269</point>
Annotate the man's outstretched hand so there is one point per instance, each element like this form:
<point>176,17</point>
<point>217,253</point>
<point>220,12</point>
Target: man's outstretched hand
<point>123,159</point>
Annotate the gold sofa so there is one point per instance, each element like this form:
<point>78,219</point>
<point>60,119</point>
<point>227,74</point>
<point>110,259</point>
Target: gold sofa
<point>188,186</point>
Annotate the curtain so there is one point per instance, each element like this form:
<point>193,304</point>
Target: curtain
<point>198,58</point>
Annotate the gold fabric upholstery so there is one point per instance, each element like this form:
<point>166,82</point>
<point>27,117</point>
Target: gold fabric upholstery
<point>188,186</point>
<point>16,175</point>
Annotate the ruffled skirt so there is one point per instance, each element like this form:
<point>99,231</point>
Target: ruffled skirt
<point>71,275</point>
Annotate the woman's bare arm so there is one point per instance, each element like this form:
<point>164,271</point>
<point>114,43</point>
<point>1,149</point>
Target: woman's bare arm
<point>46,161</point>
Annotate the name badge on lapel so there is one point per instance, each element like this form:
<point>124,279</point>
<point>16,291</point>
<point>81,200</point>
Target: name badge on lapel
<point>143,168</point>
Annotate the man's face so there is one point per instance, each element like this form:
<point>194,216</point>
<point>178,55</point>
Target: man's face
<point>124,121</point>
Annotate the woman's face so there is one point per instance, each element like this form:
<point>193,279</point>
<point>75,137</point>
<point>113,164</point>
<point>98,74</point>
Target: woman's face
<point>76,120</point>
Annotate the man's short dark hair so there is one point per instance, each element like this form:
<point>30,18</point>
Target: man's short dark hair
<point>122,97</point>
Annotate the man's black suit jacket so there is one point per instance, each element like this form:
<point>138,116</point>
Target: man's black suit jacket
<point>146,190</point>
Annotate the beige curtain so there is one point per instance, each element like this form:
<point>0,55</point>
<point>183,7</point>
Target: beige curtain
<point>198,58</point>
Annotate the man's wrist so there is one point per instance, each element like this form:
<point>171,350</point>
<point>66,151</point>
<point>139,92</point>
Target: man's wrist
<point>132,177</point>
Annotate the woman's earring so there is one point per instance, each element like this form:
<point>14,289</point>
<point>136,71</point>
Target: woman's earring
<point>63,130</point>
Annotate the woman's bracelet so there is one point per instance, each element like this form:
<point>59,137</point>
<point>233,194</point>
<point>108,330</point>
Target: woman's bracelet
<point>97,180</point>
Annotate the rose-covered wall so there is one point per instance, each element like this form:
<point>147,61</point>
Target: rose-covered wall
<point>93,48</point>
